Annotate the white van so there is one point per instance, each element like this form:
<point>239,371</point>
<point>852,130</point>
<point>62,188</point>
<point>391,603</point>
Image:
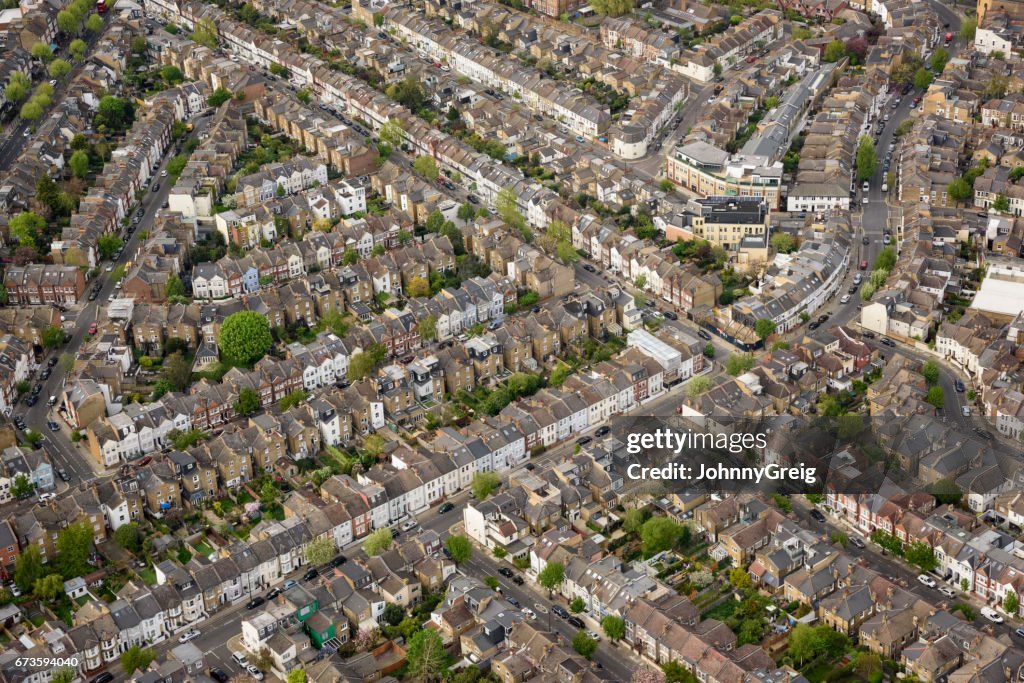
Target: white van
<point>885,187</point>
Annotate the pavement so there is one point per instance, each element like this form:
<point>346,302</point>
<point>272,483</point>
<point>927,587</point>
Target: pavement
<point>74,458</point>
<point>872,556</point>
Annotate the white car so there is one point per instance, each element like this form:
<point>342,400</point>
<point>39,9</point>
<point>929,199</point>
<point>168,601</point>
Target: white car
<point>593,635</point>
<point>845,299</point>
<point>188,635</point>
<point>991,615</point>
<point>410,525</point>
<point>254,672</point>
<point>240,659</point>
<point>43,497</point>
<point>529,613</point>
<point>948,592</point>
<point>926,580</point>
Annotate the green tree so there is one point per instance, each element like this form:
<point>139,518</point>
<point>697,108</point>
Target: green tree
<point>67,22</point>
<point>350,257</point>
<point>938,60</point>
<point>677,673</point>
<point>63,675</point>
<point>467,211</point>
<point>427,327</point>
<point>936,397</point>
<point>808,642</point>
<point>577,605</point>
<point>48,587</point>
<point>922,79</point>
<point>108,245</point>
<point>219,97</point>
<point>658,534</point>
<point>18,86</point>
<point>1001,203</point>
<point>320,551</point>
<point>129,537</point>
<point>633,519</point>
<point>177,371</point>
<point>614,627</point>
<point>245,338</point>
<point>94,24</point>
<point>484,484</point>
<point>1011,603</point>
<point>31,111</point>
<point>584,645</point>
<point>114,113</point>
<point>22,486</point>
<point>79,163</point>
<point>552,576</point>
<point>297,675</point>
<point>968,27</point>
<point>783,242</point>
<point>42,52</point>
<point>867,159</point>
<point>392,132</point>
<point>698,385</point>
<point>740,579</point>
<point>58,69</point>
<point>377,542</point>
<point>174,287</point>
<point>960,190</point>
<point>136,659</point>
<point>930,372</point>
<point>834,51</point>
<point>920,555</point>
<point>426,167</point>
<point>77,49</point>
<point>248,401</point>
<point>26,227</point>
<point>765,328</point>
<point>739,363</point>
<point>408,92</point>
<point>74,545</point>
<point>206,34</point>
<point>612,8</point>
<point>53,336</point>
<point>459,548</point>
<point>28,568</point>
<point>427,660</point>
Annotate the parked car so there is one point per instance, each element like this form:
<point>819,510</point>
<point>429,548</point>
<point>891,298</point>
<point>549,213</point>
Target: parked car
<point>948,592</point>
<point>583,440</point>
<point>601,431</point>
<point>189,635</point>
<point>857,543</point>
<point>560,612</point>
<point>410,525</point>
<point>290,583</point>
<point>844,299</point>
<point>254,672</point>
<point>517,580</point>
<point>703,335</point>
<point>240,659</point>
<point>506,572</point>
<point>529,613</point>
<point>671,315</point>
<point>926,580</point>
<point>273,593</point>
<point>446,507</point>
<point>959,386</point>
<point>817,516</point>
<point>991,615</point>
<point>512,601</point>
<point>339,560</point>
<point>255,602</point>
<point>310,575</point>
<point>218,675</point>
<point>104,677</point>
<point>63,474</point>
<point>575,622</point>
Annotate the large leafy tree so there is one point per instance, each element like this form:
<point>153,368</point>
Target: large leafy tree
<point>459,548</point>
<point>867,158</point>
<point>377,542</point>
<point>25,228</point>
<point>552,576</point>
<point>426,656</point>
<point>484,484</point>
<point>245,338</point>
<point>74,545</point>
<point>136,659</point>
<point>28,568</point>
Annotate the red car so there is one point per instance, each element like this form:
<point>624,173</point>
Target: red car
<point>92,328</point>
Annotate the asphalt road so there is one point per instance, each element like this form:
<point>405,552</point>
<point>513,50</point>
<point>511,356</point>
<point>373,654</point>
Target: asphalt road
<point>74,458</point>
<point>12,145</point>
<point>886,565</point>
